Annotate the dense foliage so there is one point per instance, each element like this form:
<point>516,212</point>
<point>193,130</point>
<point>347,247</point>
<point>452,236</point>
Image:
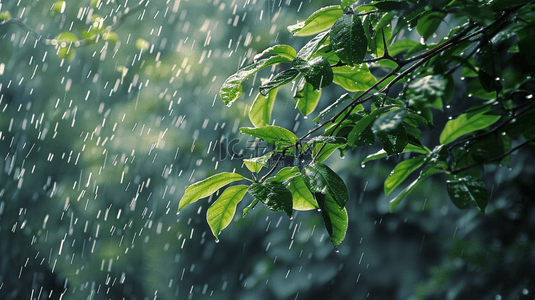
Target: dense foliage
<point>395,80</point>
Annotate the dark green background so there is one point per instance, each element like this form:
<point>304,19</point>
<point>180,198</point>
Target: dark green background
<point>94,161</point>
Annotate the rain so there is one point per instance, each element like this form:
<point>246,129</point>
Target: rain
<point>109,109</point>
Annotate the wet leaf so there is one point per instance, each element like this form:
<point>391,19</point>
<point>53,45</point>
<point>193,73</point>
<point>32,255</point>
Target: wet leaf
<point>401,171</point>
<point>280,50</point>
<point>232,87</point>
<point>275,135</point>
<point>465,124</point>
<point>307,98</point>
<point>348,39</point>
<point>321,179</point>
<point>329,108</point>
<point>394,203</point>
<point>285,174</point>
<point>206,187</point>
<point>466,190</point>
<point>326,151</point>
<point>274,195</point>
<point>301,195</point>
<point>334,217</point>
<point>394,141</point>
<point>429,22</point>
<point>257,163</point>
<point>353,78</point>
<point>319,21</point>
<point>260,112</point>
<point>389,121</point>
<point>317,71</point>
<point>278,80</point>
<point>221,212</point>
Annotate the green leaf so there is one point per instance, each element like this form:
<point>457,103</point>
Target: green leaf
<point>280,50</point>
<point>307,98</point>
<point>232,87</point>
<point>389,121</point>
<point>467,189</point>
<point>363,123</point>
<point>327,150</point>
<point>335,104</point>
<point>285,174</point>
<point>395,140</point>
<point>275,135</point>
<point>429,22</point>
<point>282,78</point>
<point>334,217</point>
<point>321,179</point>
<point>260,113</point>
<point>257,163</point>
<point>401,171</point>
<point>65,45</point>
<point>207,187</point>
<point>319,21</point>
<point>348,39</point>
<point>464,124</point>
<point>274,195</point>
<point>409,148</point>
<point>310,48</point>
<point>346,3</point>
<point>301,195</point>
<point>221,212</point>
<point>317,71</point>
<point>354,78</point>
<point>394,203</point>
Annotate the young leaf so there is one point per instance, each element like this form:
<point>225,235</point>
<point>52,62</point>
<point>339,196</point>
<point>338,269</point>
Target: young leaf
<point>401,171</point>
<point>281,50</point>
<point>260,113</point>
<point>348,39</point>
<point>232,88</point>
<point>274,195</point>
<point>319,21</point>
<point>467,189</point>
<point>257,163</point>
<point>317,71</point>
<point>353,78</point>
<point>307,98</point>
<point>429,22</point>
<point>334,217</point>
<point>282,78</point>
<point>207,187</point>
<point>221,212</point>
<point>464,124</point>
<point>321,179</point>
<point>301,195</point>
<point>275,135</point>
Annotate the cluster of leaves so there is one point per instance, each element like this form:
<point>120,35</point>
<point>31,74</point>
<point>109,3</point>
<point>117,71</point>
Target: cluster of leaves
<point>481,43</point>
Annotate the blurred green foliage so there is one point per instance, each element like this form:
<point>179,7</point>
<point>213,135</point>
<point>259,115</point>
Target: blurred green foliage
<point>108,111</point>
